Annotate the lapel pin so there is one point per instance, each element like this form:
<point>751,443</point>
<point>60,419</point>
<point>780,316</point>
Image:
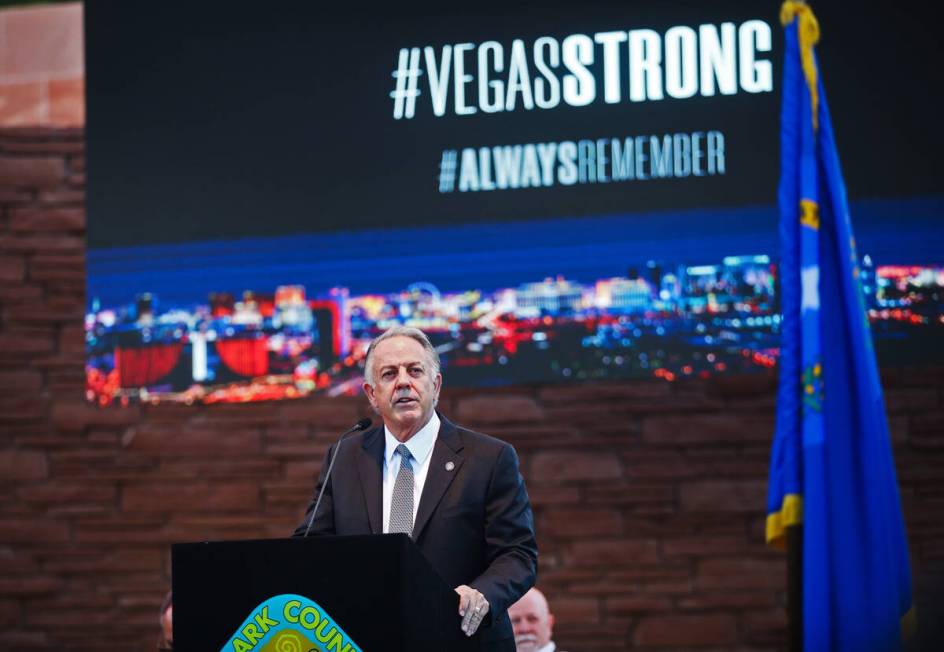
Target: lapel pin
<point>450,466</point>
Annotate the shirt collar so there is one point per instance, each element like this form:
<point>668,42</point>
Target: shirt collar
<point>420,445</point>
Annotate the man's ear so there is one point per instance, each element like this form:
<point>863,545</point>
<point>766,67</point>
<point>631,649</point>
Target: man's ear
<point>369,391</point>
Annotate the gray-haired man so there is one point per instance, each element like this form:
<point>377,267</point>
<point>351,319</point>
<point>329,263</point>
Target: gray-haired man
<point>456,492</point>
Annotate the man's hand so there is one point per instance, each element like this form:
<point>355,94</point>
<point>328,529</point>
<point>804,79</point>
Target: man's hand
<point>472,607</point>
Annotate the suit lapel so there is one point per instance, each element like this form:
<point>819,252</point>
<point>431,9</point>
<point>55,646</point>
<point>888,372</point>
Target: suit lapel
<point>370,468</point>
<point>447,450</point>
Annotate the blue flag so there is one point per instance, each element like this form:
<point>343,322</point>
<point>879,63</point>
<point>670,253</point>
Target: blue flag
<point>831,464</point>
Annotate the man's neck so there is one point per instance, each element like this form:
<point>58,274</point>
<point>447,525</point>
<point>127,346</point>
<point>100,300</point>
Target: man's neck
<point>404,438</point>
<point>407,434</point>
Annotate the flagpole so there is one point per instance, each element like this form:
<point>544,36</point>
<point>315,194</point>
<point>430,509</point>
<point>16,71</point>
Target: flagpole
<point>794,536</point>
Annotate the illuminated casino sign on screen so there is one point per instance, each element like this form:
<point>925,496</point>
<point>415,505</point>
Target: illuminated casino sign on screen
<point>576,193</point>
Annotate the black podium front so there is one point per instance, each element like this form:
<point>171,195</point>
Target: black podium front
<point>378,589</point>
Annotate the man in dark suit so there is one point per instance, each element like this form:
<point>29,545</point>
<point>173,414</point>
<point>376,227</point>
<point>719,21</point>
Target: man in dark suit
<point>457,493</point>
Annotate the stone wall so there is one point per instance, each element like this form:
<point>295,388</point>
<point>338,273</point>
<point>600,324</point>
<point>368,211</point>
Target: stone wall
<point>649,496</point>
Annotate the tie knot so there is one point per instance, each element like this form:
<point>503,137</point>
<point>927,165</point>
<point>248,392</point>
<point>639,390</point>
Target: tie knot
<point>404,452</point>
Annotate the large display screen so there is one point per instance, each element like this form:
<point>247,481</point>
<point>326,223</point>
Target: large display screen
<point>554,194</point>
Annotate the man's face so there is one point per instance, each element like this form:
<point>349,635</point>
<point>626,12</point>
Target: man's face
<point>404,391</point>
<point>167,624</point>
<point>531,621</point>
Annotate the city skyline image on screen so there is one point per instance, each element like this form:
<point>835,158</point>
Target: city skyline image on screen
<point>559,196</point>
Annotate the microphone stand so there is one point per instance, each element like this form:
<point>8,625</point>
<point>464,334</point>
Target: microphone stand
<point>363,424</point>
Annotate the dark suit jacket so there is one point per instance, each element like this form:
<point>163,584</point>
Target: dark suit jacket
<point>473,523</point>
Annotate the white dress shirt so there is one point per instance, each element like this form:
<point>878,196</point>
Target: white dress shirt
<point>421,448</point>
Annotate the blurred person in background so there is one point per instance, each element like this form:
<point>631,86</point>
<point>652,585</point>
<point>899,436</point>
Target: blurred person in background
<point>533,623</point>
<point>166,620</point>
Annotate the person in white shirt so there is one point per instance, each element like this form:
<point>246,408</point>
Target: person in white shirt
<point>458,494</point>
<point>533,623</point>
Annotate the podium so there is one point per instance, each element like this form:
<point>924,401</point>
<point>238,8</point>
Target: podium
<point>379,590</point>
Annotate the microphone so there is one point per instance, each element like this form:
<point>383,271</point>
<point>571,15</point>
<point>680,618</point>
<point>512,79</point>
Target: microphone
<point>363,424</point>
